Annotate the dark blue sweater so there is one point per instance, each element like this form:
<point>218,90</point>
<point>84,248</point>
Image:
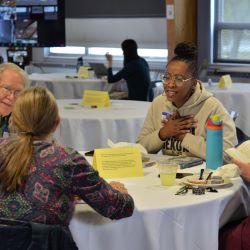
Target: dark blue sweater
<point>136,74</point>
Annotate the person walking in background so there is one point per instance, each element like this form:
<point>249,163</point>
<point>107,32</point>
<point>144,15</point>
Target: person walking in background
<point>13,80</point>
<point>135,71</point>
<point>41,177</point>
<point>189,105</point>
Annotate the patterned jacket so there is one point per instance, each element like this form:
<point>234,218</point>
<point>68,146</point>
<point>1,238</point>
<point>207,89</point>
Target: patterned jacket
<point>56,176</point>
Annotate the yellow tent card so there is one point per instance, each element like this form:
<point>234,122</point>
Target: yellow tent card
<point>118,162</point>
<point>83,72</point>
<point>96,98</point>
<point>225,82</point>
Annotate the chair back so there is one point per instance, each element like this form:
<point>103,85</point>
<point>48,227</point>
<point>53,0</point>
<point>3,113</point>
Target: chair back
<point>241,136</point>
<point>155,89</point>
<point>24,235</point>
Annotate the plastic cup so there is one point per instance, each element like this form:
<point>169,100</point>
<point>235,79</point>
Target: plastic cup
<point>167,173</point>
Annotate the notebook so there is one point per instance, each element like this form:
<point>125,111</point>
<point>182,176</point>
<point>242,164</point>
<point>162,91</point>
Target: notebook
<point>99,69</point>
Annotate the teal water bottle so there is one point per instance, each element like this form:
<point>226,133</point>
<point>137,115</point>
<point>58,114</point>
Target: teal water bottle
<point>214,142</point>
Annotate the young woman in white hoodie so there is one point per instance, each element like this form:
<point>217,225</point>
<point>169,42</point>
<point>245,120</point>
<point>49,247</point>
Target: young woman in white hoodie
<point>189,105</point>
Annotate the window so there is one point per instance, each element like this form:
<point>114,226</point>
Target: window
<point>72,50</point>
<point>232,31</point>
<point>101,51</point>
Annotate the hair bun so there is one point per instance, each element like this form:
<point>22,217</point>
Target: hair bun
<point>186,50</point>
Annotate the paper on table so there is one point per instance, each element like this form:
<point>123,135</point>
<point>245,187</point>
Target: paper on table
<point>227,171</point>
<point>126,144</point>
<point>99,99</point>
<point>225,82</point>
<point>119,162</point>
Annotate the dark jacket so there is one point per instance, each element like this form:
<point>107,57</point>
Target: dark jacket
<point>4,124</point>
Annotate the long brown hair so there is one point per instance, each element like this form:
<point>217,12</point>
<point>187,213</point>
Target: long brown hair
<point>34,116</point>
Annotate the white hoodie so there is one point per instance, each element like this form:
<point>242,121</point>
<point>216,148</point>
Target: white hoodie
<point>201,105</point>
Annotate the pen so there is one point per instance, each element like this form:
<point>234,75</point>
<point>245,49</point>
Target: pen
<point>201,174</point>
<point>209,176</point>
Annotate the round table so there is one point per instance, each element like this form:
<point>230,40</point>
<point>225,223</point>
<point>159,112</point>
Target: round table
<point>85,128</point>
<point>161,220</point>
<point>235,98</point>
<point>67,86</point>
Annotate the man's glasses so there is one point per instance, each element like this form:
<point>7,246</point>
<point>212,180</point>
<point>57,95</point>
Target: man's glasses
<point>177,79</point>
<point>9,91</point>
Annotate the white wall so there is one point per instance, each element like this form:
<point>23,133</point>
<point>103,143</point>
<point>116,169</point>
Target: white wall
<point>110,32</point>
<point>148,32</point>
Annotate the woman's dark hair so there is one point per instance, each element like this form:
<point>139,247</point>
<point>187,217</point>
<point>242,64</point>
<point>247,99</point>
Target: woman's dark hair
<point>187,52</point>
<point>129,47</point>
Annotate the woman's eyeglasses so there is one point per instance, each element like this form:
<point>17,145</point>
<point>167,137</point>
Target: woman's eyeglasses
<point>177,79</point>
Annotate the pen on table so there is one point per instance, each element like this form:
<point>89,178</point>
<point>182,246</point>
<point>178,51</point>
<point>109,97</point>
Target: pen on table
<point>201,174</point>
<point>209,176</point>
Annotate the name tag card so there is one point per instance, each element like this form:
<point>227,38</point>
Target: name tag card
<point>96,98</point>
<point>83,72</point>
<point>118,162</point>
<point>225,82</point>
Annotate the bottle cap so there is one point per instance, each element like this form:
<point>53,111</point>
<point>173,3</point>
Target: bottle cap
<point>214,122</point>
<point>215,118</point>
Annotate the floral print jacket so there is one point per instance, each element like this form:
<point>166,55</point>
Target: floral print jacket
<point>57,174</point>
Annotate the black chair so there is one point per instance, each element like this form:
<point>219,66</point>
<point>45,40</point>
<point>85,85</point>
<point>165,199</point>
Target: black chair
<point>152,86</point>
<point>151,91</point>
<point>24,235</point>
<point>241,136</point>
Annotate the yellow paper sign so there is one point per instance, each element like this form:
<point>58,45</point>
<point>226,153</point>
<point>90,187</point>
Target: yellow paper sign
<point>96,98</point>
<point>83,72</point>
<point>225,82</point>
<point>118,162</point>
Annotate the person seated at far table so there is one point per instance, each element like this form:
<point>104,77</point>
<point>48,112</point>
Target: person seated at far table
<point>135,71</point>
<point>42,177</point>
<point>235,235</point>
<point>12,81</point>
<point>189,106</point>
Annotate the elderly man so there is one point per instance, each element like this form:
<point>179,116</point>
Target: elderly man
<point>12,81</point>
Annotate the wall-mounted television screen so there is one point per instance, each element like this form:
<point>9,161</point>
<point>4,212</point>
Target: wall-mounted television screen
<point>37,23</point>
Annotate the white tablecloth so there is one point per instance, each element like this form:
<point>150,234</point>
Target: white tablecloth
<point>161,220</point>
<point>85,128</point>
<point>67,88</point>
<point>236,98</point>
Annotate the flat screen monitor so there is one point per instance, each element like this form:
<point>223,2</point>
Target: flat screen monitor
<point>37,23</point>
